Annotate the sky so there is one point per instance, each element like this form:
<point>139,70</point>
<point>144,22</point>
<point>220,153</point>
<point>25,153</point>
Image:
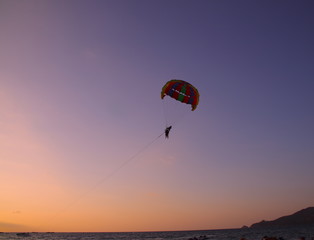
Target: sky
<point>81,118</point>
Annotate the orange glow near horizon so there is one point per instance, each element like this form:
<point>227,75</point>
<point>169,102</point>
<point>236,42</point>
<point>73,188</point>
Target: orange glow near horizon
<point>37,197</point>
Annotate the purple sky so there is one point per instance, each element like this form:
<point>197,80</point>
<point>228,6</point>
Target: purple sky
<point>80,95</point>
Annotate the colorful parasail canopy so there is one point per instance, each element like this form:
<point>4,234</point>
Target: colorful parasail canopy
<point>181,91</point>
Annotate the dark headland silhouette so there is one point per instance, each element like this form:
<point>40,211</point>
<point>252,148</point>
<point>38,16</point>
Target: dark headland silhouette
<point>304,217</point>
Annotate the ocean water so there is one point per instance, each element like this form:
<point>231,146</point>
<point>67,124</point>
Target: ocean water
<point>231,234</point>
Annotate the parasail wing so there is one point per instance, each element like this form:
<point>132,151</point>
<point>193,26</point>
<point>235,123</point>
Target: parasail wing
<point>181,91</point>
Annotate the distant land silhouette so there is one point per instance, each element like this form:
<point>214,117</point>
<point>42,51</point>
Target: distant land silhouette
<point>303,217</point>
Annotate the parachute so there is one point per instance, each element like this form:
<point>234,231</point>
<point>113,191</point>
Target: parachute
<point>181,91</point>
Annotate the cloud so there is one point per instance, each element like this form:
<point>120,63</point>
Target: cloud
<point>12,227</point>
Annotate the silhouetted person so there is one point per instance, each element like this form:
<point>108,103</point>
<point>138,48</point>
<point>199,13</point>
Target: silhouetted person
<point>167,130</point>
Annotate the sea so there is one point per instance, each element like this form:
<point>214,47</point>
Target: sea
<point>227,234</point>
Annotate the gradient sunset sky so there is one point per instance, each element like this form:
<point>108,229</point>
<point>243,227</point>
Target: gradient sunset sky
<point>80,113</point>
